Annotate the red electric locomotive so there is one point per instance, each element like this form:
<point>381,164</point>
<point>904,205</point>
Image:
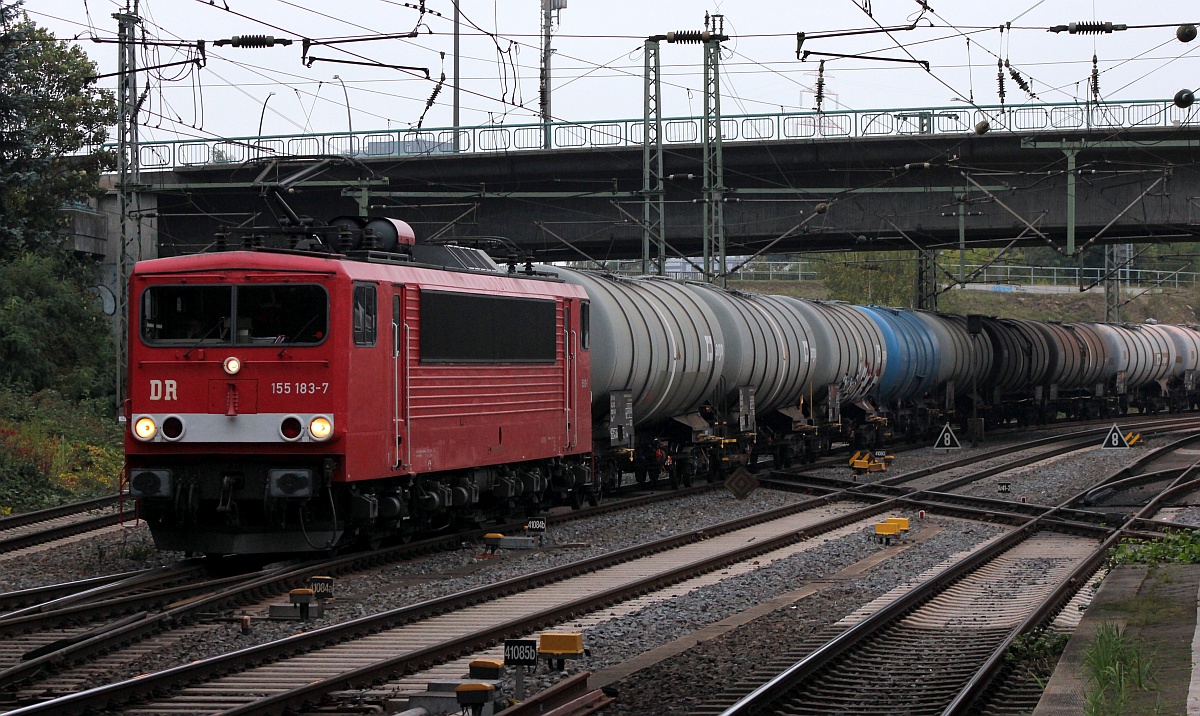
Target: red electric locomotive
<point>292,401</point>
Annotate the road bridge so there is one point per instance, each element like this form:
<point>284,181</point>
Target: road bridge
<point>1068,176</point>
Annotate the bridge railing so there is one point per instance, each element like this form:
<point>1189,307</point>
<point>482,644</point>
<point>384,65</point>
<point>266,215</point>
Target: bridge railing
<point>676,130</point>
<point>1065,276</point>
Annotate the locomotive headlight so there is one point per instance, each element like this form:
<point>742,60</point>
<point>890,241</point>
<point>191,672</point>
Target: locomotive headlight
<point>232,365</point>
<point>320,428</point>
<point>145,428</point>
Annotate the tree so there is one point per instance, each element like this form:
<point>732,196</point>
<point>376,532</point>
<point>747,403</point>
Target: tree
<point>52,121</point>
<point>882,278</point>
<point>52,335</point>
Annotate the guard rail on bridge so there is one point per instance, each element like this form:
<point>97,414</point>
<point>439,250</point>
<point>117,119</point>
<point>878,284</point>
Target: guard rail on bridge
<point>995,274</point>
<point>603,134</point>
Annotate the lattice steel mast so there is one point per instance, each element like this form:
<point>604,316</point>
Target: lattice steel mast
<point>128,180</point>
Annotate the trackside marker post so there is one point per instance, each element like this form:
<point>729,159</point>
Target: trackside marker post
<point>1115,440</point>
<point>519,653</point>
<point>947,440</point>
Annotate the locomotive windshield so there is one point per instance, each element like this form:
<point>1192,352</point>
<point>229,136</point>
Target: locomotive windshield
<point>234,315</point>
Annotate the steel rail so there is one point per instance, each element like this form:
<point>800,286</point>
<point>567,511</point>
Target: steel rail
<point>37,595</point>
<point>28,518</point>
<point>90,646</point>
<point>145,594</point>
<point>68,530</point>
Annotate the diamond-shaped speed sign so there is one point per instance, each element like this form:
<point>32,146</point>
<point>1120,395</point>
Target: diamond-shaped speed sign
<point>741,483</point>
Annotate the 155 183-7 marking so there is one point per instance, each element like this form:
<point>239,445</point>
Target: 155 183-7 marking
<point>282,388</point>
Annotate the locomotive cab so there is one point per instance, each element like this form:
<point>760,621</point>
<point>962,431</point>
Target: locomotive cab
<point>241,360</point>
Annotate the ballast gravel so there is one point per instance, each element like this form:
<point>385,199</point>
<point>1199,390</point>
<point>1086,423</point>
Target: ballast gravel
<point>683,680</point>
<point>109,552</point>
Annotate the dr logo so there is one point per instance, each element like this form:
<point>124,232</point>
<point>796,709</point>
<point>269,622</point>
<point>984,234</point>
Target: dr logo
<point>163,390</point>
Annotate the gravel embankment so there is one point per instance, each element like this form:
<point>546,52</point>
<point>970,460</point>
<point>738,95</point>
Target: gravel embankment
<point>109,552</point>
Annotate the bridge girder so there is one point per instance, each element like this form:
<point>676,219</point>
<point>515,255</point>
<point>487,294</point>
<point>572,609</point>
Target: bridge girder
<point>881,193</point>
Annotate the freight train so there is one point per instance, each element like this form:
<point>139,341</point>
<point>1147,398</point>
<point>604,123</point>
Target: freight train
<point>340,391</point>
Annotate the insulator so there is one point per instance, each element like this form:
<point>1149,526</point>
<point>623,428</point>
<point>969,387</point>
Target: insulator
<point>257,41</point>
<point>1093,28</point>
<point>1095,78</point>
<point>1012,72</point>
<point>688,37</point>
<point>820,85</point>
<point>1000,79</point>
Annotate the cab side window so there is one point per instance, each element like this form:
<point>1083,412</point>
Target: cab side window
<point>585,325</point>
<point>365,313</point>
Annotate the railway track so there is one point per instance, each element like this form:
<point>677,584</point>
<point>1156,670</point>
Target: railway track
<point>29,529</point>
<point>92,622</point>
<point>938,648</point>
<point>358,661</point>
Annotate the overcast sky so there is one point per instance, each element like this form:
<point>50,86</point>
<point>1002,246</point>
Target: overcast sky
<point>597,69</point>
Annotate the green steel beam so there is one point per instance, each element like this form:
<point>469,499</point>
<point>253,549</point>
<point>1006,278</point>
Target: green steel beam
<point>827,191</point>
<point>497,194</point>
<point>1071,153</point>
<point>189,186</point>
<point>1112,144</point>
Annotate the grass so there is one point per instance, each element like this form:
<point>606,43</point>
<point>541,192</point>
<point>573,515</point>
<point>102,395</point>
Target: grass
<point>1037,653</point>
<point>1170,306</point>
<point>1116,671</point>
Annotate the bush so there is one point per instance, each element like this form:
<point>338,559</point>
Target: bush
<point>1175,548</point>
<point>53,451</point>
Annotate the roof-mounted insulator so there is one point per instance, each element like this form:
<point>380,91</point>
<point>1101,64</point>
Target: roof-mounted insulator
<point>1090,28</point>
<point>254,41</point>
<point>689,37</point>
